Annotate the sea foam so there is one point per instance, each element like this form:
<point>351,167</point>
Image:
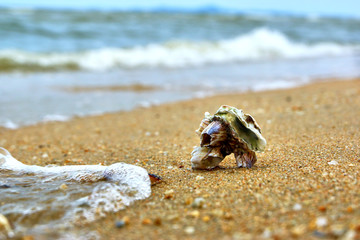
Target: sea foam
<point>38,198</point>
<point>259,44</point>
<point>55,118</point>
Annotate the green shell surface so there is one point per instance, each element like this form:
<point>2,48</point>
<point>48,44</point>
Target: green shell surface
<point>243,126</point>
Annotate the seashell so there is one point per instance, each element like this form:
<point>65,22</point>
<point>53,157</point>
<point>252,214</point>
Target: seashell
<point>154,179</point>
<point>213,135</point>
<point>228,131</point>
<point>205,158</point>
<point>204,123</point>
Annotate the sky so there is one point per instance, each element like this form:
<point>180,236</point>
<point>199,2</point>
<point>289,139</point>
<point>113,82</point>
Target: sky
<point>319,7</point>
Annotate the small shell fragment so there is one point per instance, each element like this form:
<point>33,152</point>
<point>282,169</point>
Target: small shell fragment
<point>228,131</point>
<point>154,179</point>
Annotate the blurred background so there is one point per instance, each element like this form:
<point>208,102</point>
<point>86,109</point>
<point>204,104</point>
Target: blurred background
<point>60,59</point>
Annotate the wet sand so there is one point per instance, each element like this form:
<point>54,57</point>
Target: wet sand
<point>292,191</point>
<point>112,88</point>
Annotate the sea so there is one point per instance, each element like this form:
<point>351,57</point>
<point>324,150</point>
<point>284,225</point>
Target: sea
<point>56,64</point>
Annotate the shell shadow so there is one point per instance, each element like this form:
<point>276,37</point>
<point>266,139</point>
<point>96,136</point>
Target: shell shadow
<point>221,168</point>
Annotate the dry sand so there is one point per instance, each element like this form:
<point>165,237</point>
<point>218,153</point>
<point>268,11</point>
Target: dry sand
<point>292,191</point>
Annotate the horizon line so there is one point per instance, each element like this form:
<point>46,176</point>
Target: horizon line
<point>211,9</point>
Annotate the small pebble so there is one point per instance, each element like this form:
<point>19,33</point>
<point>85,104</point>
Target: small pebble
<point>120,224</point>
<point>297,108</point>
<point>169,194</point>
<point>357,228</point>
<point>349,209</point>
<point>319,234</point>
<point>333,162</point>
<point>266,234</point>
<point>298,230</point>
<point>176,226</point>
<point>157,221</point>
<point>190,230</point>
<point>189,201</point>
<point>206,218</point>
<point>173,217</point>
<point>349,235</point>
<point>322,208</point>
<point>297,207</point>
<point>146,221</point>
<point>321,221</point>
<point>194,214</point>
<point>198,202</point>
<point>217,212</point>
<point>228,216</point>
<point>126,220</point>
<point>337,230</point>
<point>199,177</point>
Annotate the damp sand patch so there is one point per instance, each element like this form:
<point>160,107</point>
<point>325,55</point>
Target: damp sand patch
<point>111,88</point>
<point>50,200</point>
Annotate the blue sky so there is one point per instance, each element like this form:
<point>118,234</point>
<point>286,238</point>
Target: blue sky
<point>321,7</point>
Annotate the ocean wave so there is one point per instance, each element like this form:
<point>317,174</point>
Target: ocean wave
<point>8,124</point>
<point>259,44</point>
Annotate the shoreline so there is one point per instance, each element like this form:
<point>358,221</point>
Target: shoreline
<point>291,192</point>
<point>53,118</point>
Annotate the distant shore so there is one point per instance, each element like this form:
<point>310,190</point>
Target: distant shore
<point>292,191</point>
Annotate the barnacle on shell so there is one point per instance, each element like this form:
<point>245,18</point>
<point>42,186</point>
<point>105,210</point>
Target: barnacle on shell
<point>228,131</point>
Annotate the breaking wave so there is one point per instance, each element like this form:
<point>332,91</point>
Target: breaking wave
<point>259,44</point>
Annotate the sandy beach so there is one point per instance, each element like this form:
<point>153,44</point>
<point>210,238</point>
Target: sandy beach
<point>291,192</point>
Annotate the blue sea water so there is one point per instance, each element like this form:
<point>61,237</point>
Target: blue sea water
<point>44,53</point>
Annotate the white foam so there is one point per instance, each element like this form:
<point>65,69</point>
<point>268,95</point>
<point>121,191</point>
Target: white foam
<point>9,124</point>
<point>279,84</point>
<point>132,176</point>
<point>55,118</point>
<point>114,187</point>
<point>259,44</point>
